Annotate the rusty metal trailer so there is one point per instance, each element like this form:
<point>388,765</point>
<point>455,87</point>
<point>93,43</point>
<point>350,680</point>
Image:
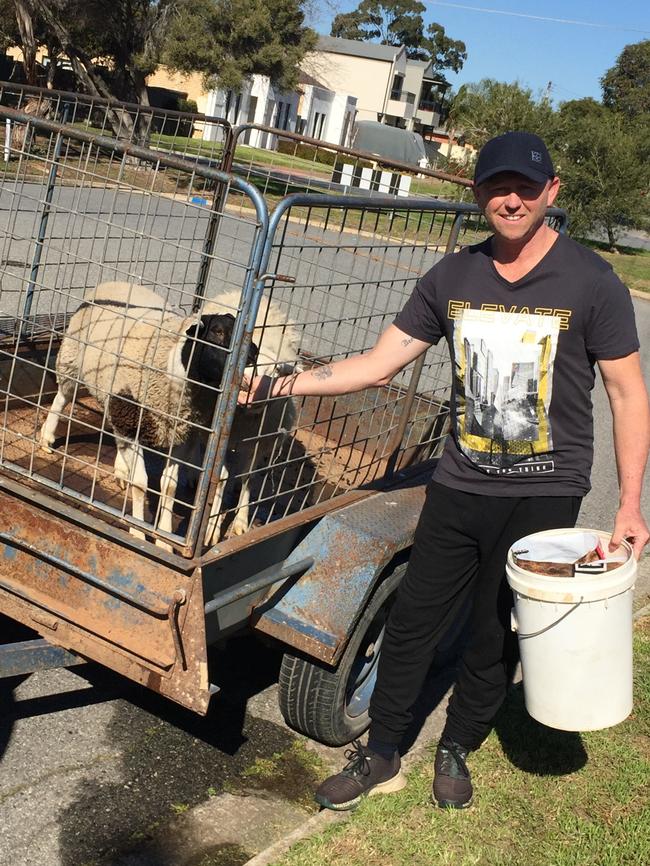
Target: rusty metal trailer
<point>333,508</point>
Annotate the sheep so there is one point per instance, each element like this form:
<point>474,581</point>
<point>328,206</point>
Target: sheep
<point>255,428</point>
<point>155,373</point>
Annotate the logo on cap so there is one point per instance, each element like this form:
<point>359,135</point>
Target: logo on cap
<point>536,156</point>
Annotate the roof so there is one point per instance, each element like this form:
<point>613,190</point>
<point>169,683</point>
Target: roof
<point>427,71</point>
<point>358,49</point>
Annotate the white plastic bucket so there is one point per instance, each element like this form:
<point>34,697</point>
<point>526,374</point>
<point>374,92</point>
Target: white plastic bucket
<point>575,641</point>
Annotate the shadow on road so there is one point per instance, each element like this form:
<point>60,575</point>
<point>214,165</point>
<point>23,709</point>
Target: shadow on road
<point>168,760</point>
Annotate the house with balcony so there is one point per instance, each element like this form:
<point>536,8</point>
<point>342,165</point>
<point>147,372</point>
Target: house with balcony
<point>430,87</point>
<point>374,74</point>
<point>341,81</point>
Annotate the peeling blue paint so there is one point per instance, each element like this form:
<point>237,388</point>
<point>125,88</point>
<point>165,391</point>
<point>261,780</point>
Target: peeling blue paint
<point>350,548</point>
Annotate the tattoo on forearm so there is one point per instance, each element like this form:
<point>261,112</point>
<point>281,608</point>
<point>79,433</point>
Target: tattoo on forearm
<point>322,373</point>
<point>407,340</point>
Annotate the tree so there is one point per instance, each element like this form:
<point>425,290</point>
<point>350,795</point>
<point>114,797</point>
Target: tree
<point>400,22</point>
<point>19,27</point>
<point>481,111</point>
<point>225,41</point>
<point>128,34</point>
<point>24,18</point>
<point>443,52</point>
<point>604,175</point>
<point>230,42</point>
<point>626,86</point>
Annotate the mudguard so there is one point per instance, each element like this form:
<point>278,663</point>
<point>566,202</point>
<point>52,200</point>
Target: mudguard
<point>317,613</point>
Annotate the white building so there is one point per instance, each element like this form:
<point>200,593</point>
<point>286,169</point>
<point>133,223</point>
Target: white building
<point>311,110</point>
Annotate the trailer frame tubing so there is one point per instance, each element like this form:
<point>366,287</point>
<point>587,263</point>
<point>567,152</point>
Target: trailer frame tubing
<point>58,97</point>
<point>238,131</point>
<point>241,336</point>
<point>316,202</point>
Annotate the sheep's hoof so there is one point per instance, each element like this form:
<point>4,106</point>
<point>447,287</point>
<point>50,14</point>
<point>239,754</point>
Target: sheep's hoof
<point>46,444</point>
<point>121,483</point>
<point>238,527</point>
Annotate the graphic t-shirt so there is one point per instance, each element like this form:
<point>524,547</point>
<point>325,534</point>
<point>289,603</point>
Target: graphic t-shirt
<point>523,355</point>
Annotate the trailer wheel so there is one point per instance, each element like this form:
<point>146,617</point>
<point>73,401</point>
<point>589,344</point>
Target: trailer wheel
<point>331,705</point>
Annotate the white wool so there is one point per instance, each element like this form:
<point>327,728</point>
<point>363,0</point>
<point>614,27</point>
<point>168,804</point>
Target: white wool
<point>252,443</point>
<point>125,339</point>
<point>116,349</point>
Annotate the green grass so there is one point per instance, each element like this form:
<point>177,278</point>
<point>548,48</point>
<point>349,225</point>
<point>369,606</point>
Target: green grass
<point>543,797</point>
<point>632,266</point>
<point>293,773</point>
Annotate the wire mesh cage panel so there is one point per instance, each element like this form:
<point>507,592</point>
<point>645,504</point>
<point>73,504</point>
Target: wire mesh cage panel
<point>343,269</point>
<point>195,136</point>
<point>110,368</point>
<point>280,163</point>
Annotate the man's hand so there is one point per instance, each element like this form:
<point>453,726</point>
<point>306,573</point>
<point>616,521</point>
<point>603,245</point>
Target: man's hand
<point>254,389</point>
<point>630,525</point>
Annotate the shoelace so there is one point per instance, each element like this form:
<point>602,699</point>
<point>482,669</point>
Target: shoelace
<point>453,759</point>
<point>358,763</point>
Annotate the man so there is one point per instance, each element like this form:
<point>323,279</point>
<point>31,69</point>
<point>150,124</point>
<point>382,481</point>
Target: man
<point>526,313</point>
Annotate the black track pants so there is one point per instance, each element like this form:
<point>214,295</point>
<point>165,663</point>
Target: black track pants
<point>458,557</point>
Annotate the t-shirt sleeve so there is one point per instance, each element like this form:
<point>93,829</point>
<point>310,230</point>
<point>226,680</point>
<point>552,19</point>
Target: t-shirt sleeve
<point>611,327</point>
<point>418,317</point>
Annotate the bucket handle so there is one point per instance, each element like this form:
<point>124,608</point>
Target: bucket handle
<point>513,622</point>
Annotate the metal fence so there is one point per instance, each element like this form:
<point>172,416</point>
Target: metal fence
<point>279,163</point>
<point>276,161</point>
<point>79,210</point>
<point>316,283</point>
<point>195,136</point>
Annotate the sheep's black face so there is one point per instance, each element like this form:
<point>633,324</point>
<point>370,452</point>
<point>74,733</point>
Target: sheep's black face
<point>206,353</point>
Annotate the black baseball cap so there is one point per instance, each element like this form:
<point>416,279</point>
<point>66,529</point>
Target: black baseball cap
<point>521,152</point>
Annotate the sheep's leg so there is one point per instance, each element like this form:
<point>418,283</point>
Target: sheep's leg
<point>132,459</point>
<point>48,430</point>
<point>168,487</point>
<point>242,519</point>
<point>216,517</point>
<point>121,469</point>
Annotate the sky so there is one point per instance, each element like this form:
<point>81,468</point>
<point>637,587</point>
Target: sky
<point>531,50</point>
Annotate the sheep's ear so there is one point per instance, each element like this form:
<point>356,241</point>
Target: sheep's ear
<point>196,329</point>
<point>253,352</point>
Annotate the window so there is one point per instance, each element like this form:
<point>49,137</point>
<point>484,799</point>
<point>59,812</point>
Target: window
<point>282,111</point>
<point>318,124</point>
<point>287,109</point>
<point>396,92</point>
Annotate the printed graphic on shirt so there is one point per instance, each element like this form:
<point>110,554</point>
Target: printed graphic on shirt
<point>504,382</point>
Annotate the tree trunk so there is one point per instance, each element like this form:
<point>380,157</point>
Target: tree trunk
<point>28,42</point>
<point>84,70</point>
<point>611,237</point>
<point>53,54</point>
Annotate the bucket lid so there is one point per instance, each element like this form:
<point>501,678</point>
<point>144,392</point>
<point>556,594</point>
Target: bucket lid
<point>568,590</point>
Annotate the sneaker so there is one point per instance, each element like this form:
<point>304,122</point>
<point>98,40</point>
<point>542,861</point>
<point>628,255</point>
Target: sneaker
<point>366,773</point>
<point>452,783</point>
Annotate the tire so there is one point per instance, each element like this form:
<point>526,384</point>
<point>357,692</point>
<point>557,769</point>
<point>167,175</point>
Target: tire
<point>331,705</point>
